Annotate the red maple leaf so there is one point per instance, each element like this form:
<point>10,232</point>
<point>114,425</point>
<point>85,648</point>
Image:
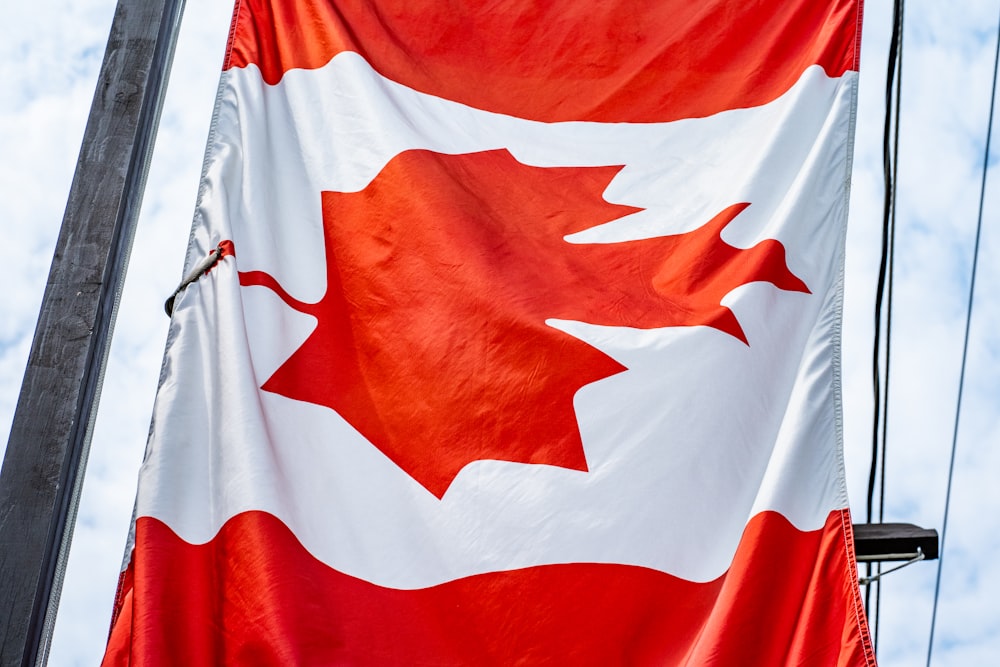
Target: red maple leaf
<point>431,338</point>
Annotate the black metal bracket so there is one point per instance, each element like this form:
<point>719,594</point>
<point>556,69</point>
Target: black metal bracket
<point>879,542</point>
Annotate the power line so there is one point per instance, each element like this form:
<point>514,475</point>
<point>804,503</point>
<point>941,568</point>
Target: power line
<point>965,347</point>
<point>883,263</point>
<point>889,298</point>
<point>889,160</point>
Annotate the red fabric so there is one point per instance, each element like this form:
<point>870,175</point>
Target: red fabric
<point>562,60</point>
<point>254,596</point>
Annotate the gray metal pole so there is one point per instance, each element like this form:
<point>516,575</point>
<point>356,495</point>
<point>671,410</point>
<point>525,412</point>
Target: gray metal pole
<point>49,440</point>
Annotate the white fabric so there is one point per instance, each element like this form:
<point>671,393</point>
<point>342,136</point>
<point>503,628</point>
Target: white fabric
<point>700,434</point>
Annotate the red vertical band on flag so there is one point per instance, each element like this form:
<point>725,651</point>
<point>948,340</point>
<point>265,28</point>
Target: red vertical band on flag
<point>254,595</point>
<point>562,60</point>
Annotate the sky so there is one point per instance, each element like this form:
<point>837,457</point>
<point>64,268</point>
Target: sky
<point>50,53</point>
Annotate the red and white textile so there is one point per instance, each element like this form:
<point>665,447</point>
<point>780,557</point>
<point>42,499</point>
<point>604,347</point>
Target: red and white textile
<point>526,351</point>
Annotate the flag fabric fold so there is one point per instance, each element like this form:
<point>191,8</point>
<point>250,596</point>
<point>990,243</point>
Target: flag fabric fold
<point>525,350</point>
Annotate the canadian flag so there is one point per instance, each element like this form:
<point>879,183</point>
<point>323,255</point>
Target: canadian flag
<point>523,349</point>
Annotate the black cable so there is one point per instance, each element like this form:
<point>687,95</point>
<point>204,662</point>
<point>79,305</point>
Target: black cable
<point>880,287</point>
<point>965,348</point>
<point>883,263</point>
<point>888,309</point>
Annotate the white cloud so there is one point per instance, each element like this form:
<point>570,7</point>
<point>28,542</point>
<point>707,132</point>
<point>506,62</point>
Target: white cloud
<point>49,56</point>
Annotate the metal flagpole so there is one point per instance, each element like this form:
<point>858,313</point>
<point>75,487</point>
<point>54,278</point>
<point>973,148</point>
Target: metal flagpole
<point>49,440</point>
